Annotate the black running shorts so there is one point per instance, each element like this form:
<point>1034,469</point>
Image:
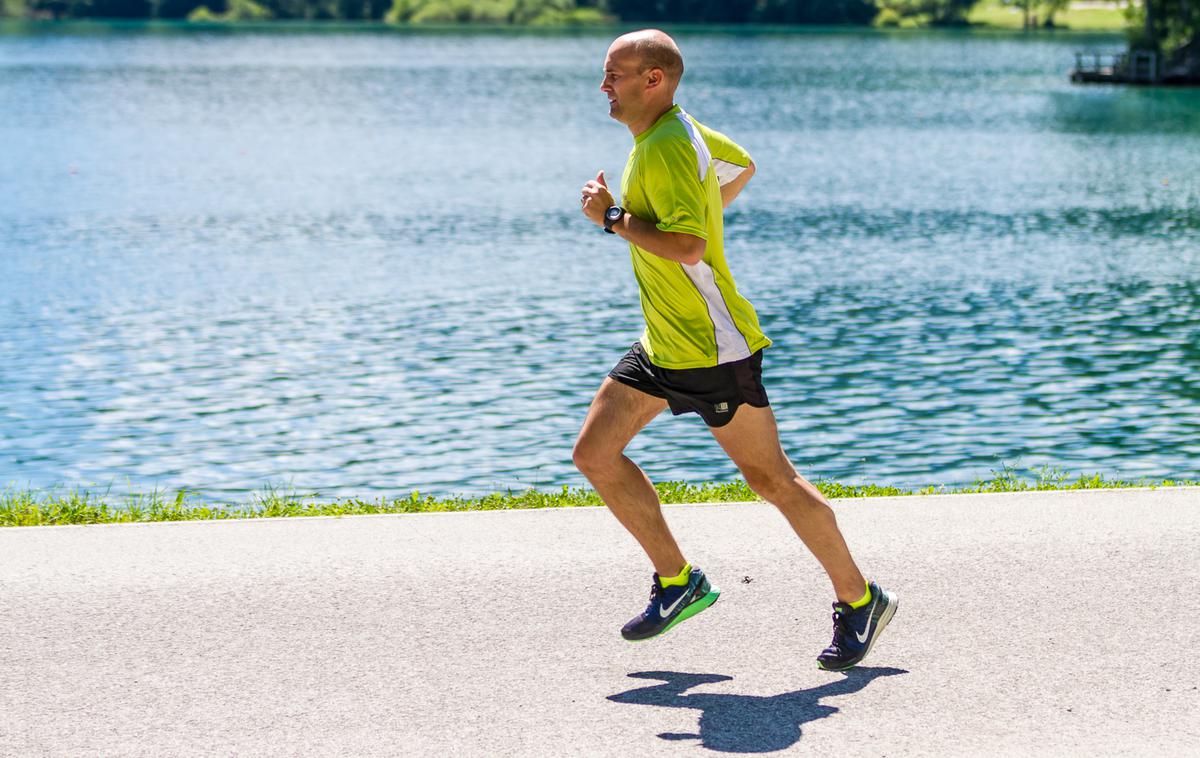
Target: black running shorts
<point>715,393</point>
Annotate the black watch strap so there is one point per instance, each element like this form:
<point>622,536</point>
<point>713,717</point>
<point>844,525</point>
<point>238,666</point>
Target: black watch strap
<point>611,218</point>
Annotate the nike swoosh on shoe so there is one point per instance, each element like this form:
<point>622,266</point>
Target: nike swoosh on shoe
<point>665,611</point>
<point>870,615</point>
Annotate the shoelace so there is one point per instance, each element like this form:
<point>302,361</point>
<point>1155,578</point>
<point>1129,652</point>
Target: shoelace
<point>841,627</point>
<point>655,592</point>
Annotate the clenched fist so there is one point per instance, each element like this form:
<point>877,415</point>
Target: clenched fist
<point>596,199</point>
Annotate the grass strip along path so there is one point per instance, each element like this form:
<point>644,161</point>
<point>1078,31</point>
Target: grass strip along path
<point>30,507</point>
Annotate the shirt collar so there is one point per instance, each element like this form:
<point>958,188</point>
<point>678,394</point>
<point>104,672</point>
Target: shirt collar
<point>674,111</point>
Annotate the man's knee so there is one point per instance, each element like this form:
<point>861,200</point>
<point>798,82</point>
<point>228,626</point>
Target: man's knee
<point>581,456</point>
<point>774,485</point>
<point>593,460</point>
<point>763,481</point>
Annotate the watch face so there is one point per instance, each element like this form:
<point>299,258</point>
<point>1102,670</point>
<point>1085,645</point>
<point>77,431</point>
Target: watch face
<point>613,213</point>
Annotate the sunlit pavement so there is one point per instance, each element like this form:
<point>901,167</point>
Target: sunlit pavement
<point>1039,623</point>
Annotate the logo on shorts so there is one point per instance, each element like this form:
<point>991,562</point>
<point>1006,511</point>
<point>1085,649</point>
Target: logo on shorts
<point>721,407</point>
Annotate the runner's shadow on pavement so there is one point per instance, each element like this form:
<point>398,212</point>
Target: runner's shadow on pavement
<point>746,723</point>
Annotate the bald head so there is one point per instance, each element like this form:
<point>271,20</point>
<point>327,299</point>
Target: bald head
<point>641,71</point>
<point>653,49</point>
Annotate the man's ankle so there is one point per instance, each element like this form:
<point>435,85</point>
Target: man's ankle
<point>678,579</point>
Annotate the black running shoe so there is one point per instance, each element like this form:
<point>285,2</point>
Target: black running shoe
<point>855,631</point>
<point>670,605</point>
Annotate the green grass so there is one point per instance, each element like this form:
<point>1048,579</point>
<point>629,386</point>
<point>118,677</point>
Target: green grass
<point>81,506</point>
<point>992,13</point>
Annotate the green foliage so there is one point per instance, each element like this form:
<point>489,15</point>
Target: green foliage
<point>922,12</point>
<point>525,12</point>
<point>246,10</point>
<point>441,11</point>
<point>1164,25</point>
<point>746,11</point>
<point>1011,14</point>
<point>888,18</point>
<point>88,8</point>
<point>552,13</point>
<point>1032,10</point>
<point>1173,22</point>
<point>237,10</point>
<point>1050,8</point>
<point>51,507</point>
<point>400,11</point>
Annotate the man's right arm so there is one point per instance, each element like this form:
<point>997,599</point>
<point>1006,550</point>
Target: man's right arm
<point>731,161</point>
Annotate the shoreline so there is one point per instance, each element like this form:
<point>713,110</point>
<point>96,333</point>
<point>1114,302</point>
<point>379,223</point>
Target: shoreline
<point>81,506</point>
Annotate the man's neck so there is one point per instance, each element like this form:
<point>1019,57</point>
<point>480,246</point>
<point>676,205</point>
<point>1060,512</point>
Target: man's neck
<point>643,124</point>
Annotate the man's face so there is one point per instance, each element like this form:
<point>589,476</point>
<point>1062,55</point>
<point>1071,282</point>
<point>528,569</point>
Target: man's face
<point>624,84</point>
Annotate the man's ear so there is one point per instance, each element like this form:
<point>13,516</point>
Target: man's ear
<point>655,78</point>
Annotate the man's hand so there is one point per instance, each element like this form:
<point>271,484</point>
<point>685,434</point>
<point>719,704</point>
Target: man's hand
<point>674,246</point>
<point>596,199</point>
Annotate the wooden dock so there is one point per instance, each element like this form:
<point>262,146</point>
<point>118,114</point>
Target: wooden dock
<point>1139,67</point>
<point>1181,67</point>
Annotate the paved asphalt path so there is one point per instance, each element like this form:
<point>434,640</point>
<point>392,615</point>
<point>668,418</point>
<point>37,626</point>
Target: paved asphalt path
<point>1059,623</point>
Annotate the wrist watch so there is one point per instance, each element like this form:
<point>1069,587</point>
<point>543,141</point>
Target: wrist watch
<point>613,215</point>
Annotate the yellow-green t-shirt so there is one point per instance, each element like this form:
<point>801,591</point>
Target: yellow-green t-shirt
<point>695,317</point>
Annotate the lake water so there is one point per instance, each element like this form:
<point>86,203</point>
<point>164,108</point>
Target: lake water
<point>352,261</point>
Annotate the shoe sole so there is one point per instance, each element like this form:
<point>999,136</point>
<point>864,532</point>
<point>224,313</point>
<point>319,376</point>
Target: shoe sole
<point>691,610</point>
<point>884,619</point>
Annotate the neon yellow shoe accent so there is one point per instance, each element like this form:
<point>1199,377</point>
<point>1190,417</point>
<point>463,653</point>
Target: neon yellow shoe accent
<point>677,581</point>
<point>863,600</point>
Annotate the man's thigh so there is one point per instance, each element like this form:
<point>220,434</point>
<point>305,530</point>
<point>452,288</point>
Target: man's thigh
<point>617,414</point>
<point>751,440</point>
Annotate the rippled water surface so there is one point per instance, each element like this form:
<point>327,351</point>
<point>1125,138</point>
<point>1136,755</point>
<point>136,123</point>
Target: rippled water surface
<point>353,261</point>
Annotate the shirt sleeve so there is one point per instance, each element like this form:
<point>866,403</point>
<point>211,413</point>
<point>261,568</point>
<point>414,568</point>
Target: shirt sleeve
<point>729,158</point>
<point>674,190</point>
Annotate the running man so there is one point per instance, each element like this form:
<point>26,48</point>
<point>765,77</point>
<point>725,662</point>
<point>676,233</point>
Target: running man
<point>701,350</point>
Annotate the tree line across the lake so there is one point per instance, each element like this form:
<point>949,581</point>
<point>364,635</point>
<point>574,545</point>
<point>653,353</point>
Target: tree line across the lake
<point>1163,25</point>
<point>936,12</point>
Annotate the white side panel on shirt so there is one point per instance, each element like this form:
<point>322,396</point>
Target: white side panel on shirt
<point>703,157</point>
<point>731,345</point>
